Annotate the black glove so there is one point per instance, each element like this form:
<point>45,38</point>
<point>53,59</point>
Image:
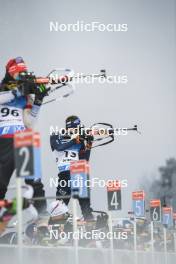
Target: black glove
<point>89,138</point>
<point>40,92</point>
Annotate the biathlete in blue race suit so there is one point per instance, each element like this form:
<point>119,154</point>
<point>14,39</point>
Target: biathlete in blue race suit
<point>66,150</point>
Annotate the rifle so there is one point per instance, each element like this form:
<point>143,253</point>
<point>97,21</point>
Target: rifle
<point>56,79</point>
<point>99,132</point>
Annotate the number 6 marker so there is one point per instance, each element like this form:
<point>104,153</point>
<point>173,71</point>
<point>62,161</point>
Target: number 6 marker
<point>155,210</point>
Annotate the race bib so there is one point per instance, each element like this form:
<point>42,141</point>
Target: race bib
<point>63,159</point>
<point>11,119</point>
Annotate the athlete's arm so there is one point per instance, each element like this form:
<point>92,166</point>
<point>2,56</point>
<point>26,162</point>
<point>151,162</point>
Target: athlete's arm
<point>30,112</point>
<point>33,106</point>
<point>57,144</point>
<point>86,149</point>
<point>30,115</point>
<point>85,153</point>
<point>6,97</point>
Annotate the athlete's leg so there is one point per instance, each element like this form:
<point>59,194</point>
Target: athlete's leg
<point>63,187</point>
<point>6,164</point>
<point>86,208</point>
<point>38,192</point>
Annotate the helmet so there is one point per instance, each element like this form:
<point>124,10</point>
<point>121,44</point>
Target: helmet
<point>72,122</point>
<point>29,191</point>
<point>15,66</point>
<point>57,208</point>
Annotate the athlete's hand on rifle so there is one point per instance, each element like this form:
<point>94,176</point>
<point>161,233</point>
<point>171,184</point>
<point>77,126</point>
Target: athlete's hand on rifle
<point>89,141</point>
<point>40,92</point>
<point>78,139</point>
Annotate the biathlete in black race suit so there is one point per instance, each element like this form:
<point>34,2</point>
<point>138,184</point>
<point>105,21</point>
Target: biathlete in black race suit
<point>18,111</point>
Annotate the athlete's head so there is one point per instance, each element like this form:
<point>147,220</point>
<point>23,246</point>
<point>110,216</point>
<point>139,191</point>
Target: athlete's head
<point>72,122</point>
<point>15,67</point>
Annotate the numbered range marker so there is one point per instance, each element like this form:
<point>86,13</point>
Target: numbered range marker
<point>155,210</point>
<point>27,154</point>
<point>138,198</point>
<point>114,195</point>
<point>79,174</point>
<point>167,216</point>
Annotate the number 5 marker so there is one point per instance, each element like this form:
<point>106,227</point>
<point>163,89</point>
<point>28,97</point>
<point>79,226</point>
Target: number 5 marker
<point>138,203</point>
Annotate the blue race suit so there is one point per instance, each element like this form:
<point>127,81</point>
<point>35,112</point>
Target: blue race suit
<point>66,150</point>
